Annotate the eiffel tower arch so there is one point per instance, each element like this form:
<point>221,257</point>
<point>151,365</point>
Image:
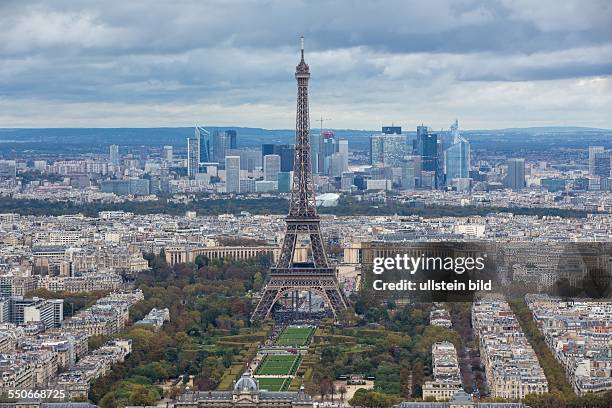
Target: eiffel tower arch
<point>315,275</point>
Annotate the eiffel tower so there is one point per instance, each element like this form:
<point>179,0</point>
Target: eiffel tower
<point>288,276</point>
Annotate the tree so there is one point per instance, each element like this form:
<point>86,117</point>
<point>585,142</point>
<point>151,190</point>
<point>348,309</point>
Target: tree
<point>201,261</point>
<point>258,281</point>
<point>342,390</point>
<point>326,388</point>
<point>108,401</point>
<point>417,379</point>
<point>140,395</point>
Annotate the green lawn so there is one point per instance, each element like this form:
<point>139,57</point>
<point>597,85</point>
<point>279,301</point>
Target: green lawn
<point>274,384</point>
<point>295,336</point>
<point>279,365</point>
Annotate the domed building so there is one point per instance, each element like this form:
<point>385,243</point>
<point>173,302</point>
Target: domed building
<point>246,393</point>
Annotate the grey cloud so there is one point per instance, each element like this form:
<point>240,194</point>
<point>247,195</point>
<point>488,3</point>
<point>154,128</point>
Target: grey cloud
<point>389,55</point>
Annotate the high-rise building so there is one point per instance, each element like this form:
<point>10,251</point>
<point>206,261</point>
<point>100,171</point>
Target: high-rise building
<point>193,155</point>
<point>232,139</point>
<point>249,158</point>
<point>376,150</point>
<point>343,150</point>
<point>515,177</point>
<point>8,169</point>
<point>429,163</point>
<point>327,147</point>
<point>314,145</point>
<point>601,164</point>
<point>114,155</point>
<point>168,153</point>
<point>392,130</point>
<point>457,157</point>
<point>387,150</point>
<point>271,167</point>
<point>428,150</point>
<point>408,173</point>
<point>286,154</point>
<point>220,144</point>
<point>336,165</point>
<point>593,150</point>
<point>204,144</point>
<point>347,181</point>
<point>421,131</point>
<point>232,174</point>
<point>222,141</point>
<point>267,149</point>
<point>247,185</point>
<point>285,180</point>
<point>394,150</point>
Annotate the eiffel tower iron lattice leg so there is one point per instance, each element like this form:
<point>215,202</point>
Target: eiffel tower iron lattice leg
<point>277,287</point>
<point>315,275</point>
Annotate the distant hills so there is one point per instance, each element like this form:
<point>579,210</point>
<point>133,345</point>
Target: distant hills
<point>68,141</point>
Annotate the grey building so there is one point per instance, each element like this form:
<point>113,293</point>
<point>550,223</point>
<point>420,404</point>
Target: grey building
<point>271,167</point>
<point>232,174</point>
<point>515,177</point>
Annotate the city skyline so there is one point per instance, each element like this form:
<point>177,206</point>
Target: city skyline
<point>492,64</point>
<point>416,266</point>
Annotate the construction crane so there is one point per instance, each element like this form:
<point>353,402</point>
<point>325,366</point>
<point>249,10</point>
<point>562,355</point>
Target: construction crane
<point>321,120</point>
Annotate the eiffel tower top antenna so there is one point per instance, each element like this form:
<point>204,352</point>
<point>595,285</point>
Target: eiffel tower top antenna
<point>302,45</point>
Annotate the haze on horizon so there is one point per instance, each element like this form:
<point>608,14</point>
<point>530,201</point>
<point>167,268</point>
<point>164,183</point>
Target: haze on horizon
<point>491,64</point>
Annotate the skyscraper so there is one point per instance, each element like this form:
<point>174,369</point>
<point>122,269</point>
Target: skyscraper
<point>232,139</point>
<point>347,181</point>
<point>394,150</point>
<point>203,136</point>
<point>343,150</point>
<point>408,173</point>
<point>193,155</point>
<point>114,155</point>
<point>314,146</point>
<point>392,130</point>
<point>249,158</point>
<point>336,165</point>
<point>327,147</point>
<point>221,142</point>
<point>232,174</point>
<point>515,177</point>
<point>428,150</point>
<point>266,149</point>
<point>286,154</point>
<point>284,181</point>
<point>457,157</point>
<point>271,167</point>
<point>387,150</point>
<point>601,164</point>
<point>593,150</point>
<point>376,150</point>
<point>168,153</point>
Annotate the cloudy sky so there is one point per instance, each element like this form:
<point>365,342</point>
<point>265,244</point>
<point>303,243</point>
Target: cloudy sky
<point>491,64</point>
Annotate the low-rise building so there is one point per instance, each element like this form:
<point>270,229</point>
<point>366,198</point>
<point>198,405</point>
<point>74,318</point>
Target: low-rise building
<point>511,366</point>
<point>446,373</point>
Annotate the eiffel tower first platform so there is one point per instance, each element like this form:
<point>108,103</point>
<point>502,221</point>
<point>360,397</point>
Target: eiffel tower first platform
<point>289,277</point>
